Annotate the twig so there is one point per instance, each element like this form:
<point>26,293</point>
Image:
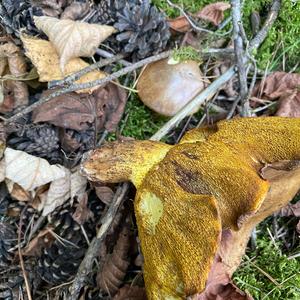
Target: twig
<point>75,76</point>
<point>238,48</point>
<point>272,16</point>
<point>87,262</point>
<point>99,82</point>
<point>21,256</point>
<point>107,54</point>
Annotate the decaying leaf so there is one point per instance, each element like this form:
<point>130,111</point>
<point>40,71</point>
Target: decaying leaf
<point>44,57</point>
<point>62,189</point>
<point>82,213</point>
<point>59,192</point>
<point>103,109</point>
<point>211,178</point>
<point>73,39</point>
<point>18,193</point>
<point>75,11</point>
<point>43,240</point>
<point>177,85</point>
<point>105,194</point>
<point>30,171</point>
<point>213,13</point>
<point>291,210</point>
<point>179,24</point>
<point>282,86</point>
<point>114,270</point>
<point>17,68</point>
<point>128,292</point>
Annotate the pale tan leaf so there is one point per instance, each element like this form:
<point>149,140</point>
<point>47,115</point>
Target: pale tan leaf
<point>82,213</point>
<point>78,184</point>
<point>29,171</point>
<point>44,57</point>
<point>59,192</point>
<point>73,38</point>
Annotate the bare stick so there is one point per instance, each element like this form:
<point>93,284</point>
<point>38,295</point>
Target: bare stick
<point>107,54</point>
<point>21,256</point>
<point>99,82</point>
<point>238,48</point>
<point>75,76</point>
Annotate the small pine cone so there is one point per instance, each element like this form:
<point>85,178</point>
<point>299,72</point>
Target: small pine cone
<point>17,14</point>
<point>41,141</point>
<point>59,262</point>
<point>8,240</point>
<point>143,29</point>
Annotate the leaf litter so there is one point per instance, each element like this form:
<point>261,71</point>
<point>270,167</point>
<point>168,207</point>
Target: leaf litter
<point>39,171</point>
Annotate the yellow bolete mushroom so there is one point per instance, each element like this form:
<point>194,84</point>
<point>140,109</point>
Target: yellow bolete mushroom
<point>166,88</point>
<point>199,200</point>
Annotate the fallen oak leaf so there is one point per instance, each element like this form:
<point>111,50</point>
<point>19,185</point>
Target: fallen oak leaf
<point>29,171</point>
<point>104,107</point>
<point>73,38</point>
<point>179,24</point>
<point>213,13</point>
<point>289,105</point>
<point>131,292</point>
<point>44,57</point>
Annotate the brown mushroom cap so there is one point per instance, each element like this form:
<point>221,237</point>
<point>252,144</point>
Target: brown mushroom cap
<point>166,88</point>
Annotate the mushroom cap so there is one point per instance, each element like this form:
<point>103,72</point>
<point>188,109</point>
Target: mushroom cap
<point>166,88</point>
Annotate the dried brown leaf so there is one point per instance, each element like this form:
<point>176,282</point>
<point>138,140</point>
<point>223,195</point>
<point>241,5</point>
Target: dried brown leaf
<point>19,193</point>
<point>114,269</point>
<point>43,240</point>
<point>128,292</point>
<point>179,24</point>
<point>289,105</point>
<point>105,194</point>
<point>73,39</point>
<point>213,13</point>
<point>17,67</point>
<point>82,213</point>
<point>75,11</point>
<point>44,57</point>
<point>104,108</point>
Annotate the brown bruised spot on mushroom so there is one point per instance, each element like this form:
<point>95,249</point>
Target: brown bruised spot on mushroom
<point>166,88</point>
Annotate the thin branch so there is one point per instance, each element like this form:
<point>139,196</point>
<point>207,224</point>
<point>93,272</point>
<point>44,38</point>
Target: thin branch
<point>75,76</point>
<point>107,54</point>
<point>99,82</point>
<point>27,285</point>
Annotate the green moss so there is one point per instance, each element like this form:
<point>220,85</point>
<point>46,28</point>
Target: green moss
<point>186,53</point>
<point>268,257</point>
<point>139,121</point>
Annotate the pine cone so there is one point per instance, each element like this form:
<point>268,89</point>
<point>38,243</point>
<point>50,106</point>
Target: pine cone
<point>143,29</point>
<point>60,262</point>
<point>17,14</point>
<point>8,240</point>
<point>41,141</point>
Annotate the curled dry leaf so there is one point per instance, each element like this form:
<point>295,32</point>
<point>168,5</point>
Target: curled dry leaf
<point>13,58</point>
<point>177,85</point>
<point>44,57</point>
<point>104,108</point>
<point>291,210</point>
<point>73,38</point>
<point>128,292</point>
<point>180,24</point>
<point>43,240</point>
<point>18,193</point>
<point>213,13</point>
<point>191,188</point>
<point>111,276</point>
<point>61,190</point>
<point>282,86</point>
<point>30,171</point>
<point>105,194</point>
<point>82,213</point>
